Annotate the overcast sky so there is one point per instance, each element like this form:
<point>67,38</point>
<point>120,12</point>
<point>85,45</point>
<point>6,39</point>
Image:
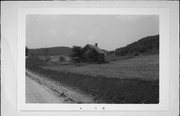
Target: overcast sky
<point>109,31</point>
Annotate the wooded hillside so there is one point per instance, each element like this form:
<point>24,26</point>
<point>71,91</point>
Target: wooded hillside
<point>147,45</point>
<point>51,51</point>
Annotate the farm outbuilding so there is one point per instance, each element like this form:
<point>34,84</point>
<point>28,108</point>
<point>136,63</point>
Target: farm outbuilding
<point>56,59</point>
<point>64,58</point>
<point>60,59</point>
<point>92,53</point>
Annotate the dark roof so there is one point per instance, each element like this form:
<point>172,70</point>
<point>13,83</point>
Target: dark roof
<point>98,50</point>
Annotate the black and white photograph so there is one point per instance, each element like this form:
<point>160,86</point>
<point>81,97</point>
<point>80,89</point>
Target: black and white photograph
<point>69,58</point>
<point>99,59</point>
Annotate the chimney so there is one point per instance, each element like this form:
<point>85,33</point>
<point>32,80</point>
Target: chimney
<point>96,44</point>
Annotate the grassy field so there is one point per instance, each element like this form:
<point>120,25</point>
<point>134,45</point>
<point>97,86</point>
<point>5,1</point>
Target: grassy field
<point>144,67</point>
<point>134,80</point>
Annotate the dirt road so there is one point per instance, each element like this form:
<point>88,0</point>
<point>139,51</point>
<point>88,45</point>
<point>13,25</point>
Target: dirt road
<point>37,93</point>
<point>42,90</point>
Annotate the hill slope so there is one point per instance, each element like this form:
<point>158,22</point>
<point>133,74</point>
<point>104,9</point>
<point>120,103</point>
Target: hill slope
<point>51,51</point>
<point>147,45</point>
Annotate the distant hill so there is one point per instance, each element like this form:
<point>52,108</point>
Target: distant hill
<point>146,45</point>
<point>51,51</point>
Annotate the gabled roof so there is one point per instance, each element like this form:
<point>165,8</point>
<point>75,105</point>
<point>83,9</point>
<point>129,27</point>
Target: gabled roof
<point>97,49</point>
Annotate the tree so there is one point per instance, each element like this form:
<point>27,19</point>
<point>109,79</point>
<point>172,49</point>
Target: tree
<point>77,52</point>
<point>27,50</point>
<point>47,55</point>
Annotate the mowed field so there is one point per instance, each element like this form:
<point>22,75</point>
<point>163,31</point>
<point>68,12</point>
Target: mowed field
<point>143,67</point>
<point>134,80</point>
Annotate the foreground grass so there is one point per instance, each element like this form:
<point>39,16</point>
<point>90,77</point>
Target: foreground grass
<point>106,90</point>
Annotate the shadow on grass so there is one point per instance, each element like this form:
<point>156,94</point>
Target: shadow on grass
<point>107,90</point>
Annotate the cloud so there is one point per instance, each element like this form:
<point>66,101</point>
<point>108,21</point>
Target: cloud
<point>35,37</point>
<point>53,32</point>
<point>91,37</point>
<point>71,33</point>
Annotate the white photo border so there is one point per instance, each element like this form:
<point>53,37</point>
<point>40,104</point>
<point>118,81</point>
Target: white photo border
<point>163,14</point>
